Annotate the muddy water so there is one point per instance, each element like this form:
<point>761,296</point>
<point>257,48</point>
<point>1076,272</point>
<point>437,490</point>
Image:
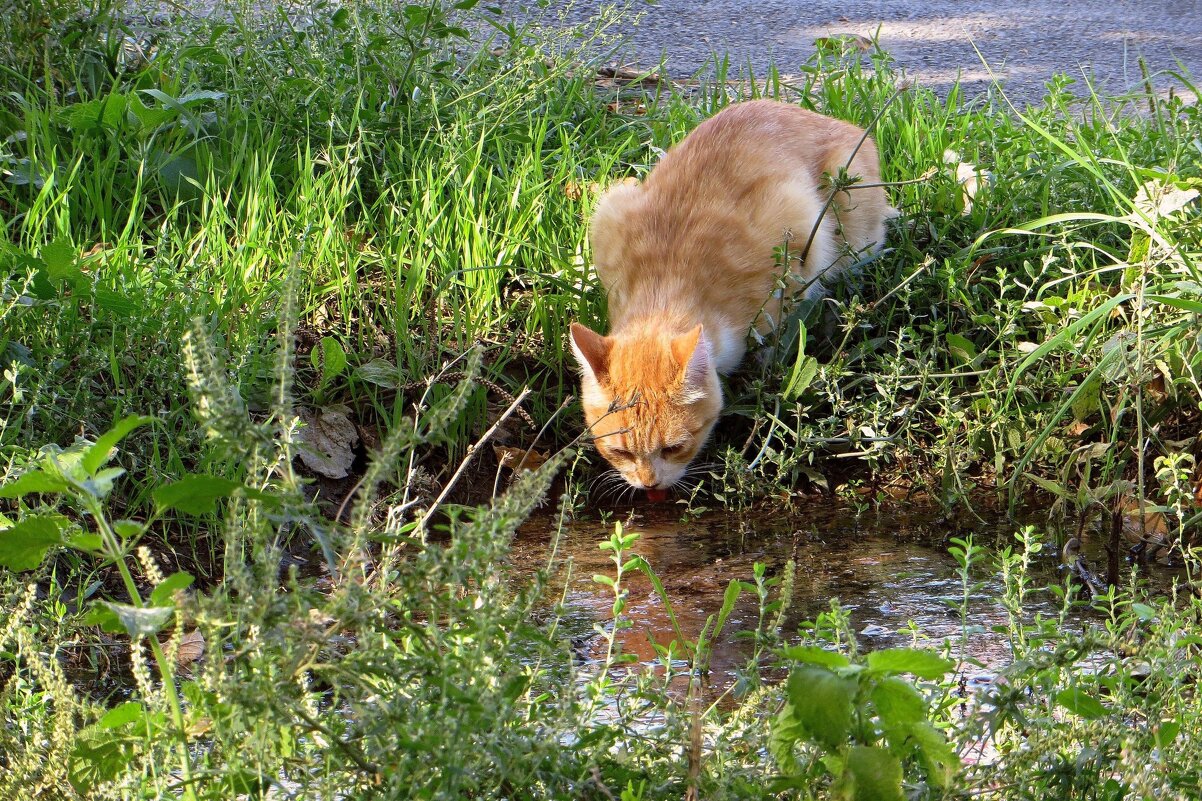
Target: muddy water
<point>887,571</point>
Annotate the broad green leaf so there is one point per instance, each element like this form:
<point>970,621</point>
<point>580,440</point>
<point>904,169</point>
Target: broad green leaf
<point>100,615</point>
<point>897,702</point>
<point>120,715</point>
<point>90,543</point>
<point>33,481</point>
<point>924,664</point>
<point>1167,732</point>
<point>800,378</point>
<point>178,174</point>
<point>330,359</point>
<point>1079,703</point>
<point>937,755</point>
<point>1144,612</point>
<point>24,546</point>
<point>138,622</point>
<point>962,348</point>
<point>129,529</point>
<point>783,736</point>
<point>814,655</point>
<point>379,372</point>
<point>874,773</point>
<point>99,756</point>
<point>101,484</point>
<point>162,594</point>
<point>98,454</point>
<point>102,113</point>
<point>195,494</point>
<point>821,703</point>
<point>151,117</point>
<point>62,261</point>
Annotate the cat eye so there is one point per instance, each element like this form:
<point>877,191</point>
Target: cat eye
<point>618,453</point>
<point>673,450</point>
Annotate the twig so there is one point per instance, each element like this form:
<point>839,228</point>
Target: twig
<point>471,451</point>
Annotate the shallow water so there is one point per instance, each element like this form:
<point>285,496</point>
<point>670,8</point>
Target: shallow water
<point>887,570</point>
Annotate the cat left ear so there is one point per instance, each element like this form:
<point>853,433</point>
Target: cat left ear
<point>591,351</point>
<point>692,350</point>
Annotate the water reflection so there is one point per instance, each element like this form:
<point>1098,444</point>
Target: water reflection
<point>888,572</point>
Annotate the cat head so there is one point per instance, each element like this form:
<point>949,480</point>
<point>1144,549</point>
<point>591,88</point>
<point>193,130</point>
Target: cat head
<point>649,401</point>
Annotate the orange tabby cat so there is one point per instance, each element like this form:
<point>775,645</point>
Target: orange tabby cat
<point>689,260</point>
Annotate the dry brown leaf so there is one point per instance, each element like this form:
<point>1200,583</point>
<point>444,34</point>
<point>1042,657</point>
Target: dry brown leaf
<point>1077,428</point>
<point>191,648</point>
<point>520,460</point>
<point>327,441</point>
<point>1162,199</point>
<point>837,41</point>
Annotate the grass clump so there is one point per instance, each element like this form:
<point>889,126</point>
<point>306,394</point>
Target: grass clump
<point>213,231</point>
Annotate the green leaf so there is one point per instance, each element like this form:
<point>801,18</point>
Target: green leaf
<point>33,481</point>
<point>936,754</point>
<point>962,348</point>
<point>151,117</point>
<point>330,359</point>
<point>194,494</point>
<point>379,372</point>
<point>1079,703</point>
<point>105,618</point>
<point>897,702</point>
<point>62,262</point>
<point>924,664</point>
<point>120,715</point>
<point>89,543</point>
<point>1144,612</point>
<point>1167,732</point>
<point>179,175</point>
<point>94,115</point>
<point>162,594</point>
<point>98,454</point>
<point>813,655</point>
<point>821,703</point>
<point>874,773</point>
<point>143,621</point>
<point>24,546</point>
<point>804,371</point>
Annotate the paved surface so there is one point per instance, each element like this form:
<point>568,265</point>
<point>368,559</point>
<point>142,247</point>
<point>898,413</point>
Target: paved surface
<point>1024,42</point>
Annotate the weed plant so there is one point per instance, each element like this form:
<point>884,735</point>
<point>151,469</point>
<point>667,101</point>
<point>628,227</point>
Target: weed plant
<point>209,227</point>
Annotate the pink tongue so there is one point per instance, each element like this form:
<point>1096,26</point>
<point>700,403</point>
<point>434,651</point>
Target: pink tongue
<point>657,495</point>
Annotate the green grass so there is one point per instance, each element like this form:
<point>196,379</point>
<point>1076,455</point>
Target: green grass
<point>255,216</point>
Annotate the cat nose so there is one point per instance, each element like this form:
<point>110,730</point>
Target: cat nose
<point>646,475</point>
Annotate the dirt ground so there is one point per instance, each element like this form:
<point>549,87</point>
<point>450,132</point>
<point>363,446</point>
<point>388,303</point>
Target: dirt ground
<point>1021,43</point>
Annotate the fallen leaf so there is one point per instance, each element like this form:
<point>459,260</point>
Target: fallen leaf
<point>327,441</point>
<point>1157,198</point>
<point>190,649</point>
<point>1077,428</point>
<point>838,41</point>
<point>520,460</point>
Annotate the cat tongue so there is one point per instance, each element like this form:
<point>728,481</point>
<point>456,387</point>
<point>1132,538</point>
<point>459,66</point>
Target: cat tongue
<point>657,495</point>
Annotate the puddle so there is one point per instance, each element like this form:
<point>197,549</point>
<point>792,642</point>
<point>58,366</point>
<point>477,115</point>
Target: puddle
<point>886,569</point>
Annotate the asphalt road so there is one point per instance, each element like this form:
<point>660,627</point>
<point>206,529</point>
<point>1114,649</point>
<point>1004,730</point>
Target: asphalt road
<point>935,41</point>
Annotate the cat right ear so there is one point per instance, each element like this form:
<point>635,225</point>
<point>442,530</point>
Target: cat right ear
<point>591,351</point>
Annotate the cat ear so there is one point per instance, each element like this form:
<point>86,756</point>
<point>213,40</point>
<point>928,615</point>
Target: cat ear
<point>591,351</point>
<point>693,351</point>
